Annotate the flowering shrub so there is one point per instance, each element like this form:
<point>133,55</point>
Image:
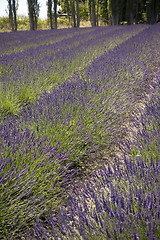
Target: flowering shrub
<point>120,201</point>
<point>65,97</point>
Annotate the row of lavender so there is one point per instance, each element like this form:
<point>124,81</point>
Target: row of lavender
<point>122,200</point>
<point>41,148</point>
<point>38,62</point>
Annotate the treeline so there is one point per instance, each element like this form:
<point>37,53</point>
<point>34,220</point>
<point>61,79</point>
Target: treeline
<point>109,12</point>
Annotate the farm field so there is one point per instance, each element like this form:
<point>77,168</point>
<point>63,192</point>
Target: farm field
<point>69,99</point>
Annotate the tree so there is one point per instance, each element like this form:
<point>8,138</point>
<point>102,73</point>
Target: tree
<point>152,10</point>
<point>122,11</point>
<point>97,17</point>
<point>93,13</point>
<point>15,15</point>
<point>84,9</point>
<point>50,12</point>
<point>31,19</point>
<point>12,14</point>
<point>68,9</point>
<point>112,11</point>
<point>90,11</point>
<point>141,14</point>
<point>55,14</point>
<point>115,12</point>
<point>78,16</point>
<point>136,11</point>
<point>104,11</point>
<point>130,11</point>
<point>35,12</point>
<point>73,13</point>
<point>33,9</point>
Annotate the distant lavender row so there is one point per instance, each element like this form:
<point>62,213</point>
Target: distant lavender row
<point>69,48</point>
<point>41,67</point>
<point>17,42</point>
<point>134,59</point>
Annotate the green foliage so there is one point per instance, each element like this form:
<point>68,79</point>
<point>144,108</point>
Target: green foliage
<point>40,186</point>
<point>22,23</point>
<point>143,18</point>
<point>43,24</point>
<point>4,23</point>
<point>63,21</point>
<point>84,11</point>
<point>133,152</point>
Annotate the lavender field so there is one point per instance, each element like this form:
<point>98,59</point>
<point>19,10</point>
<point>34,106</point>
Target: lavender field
<point>80,133</point>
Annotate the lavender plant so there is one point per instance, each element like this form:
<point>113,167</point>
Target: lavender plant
<point>30,180</point>
<point>121,201</point>
<point>66,128</point>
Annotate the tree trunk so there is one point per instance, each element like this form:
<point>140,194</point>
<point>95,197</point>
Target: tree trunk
<point>78,16</point>
<point>11,15</point>
<point>68,10</point>
<point>73,14</point>
<point>152,11</point>
<point>115,12</point>
<point>15,17</point>
<point>55,14</point>
<point>137,8</point>
<point>131,11</point>
<point>122,4</point>
<point>35,20</point>
<point>97,18</point>
<point>93,14</point>
<point>31,20</point>
<point>90,12</point>
<point>50,13</point>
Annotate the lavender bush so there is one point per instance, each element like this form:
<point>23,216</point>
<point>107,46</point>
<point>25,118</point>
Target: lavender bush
<point>120,201</point>
<point>72,109</point>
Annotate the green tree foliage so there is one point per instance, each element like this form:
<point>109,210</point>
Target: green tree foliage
<point>112,12</point>
<point>104,11</point>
